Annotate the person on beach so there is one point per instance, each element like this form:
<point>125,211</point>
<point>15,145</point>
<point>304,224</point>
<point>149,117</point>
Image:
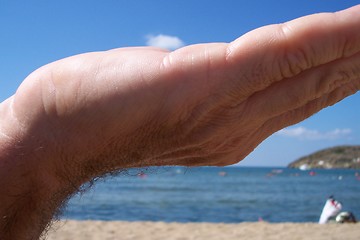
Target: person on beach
<point>208,104</point>
<point>331,213</point>
<point>331,209</point>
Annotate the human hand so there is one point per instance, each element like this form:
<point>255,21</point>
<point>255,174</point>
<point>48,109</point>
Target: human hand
<point>208,104</point>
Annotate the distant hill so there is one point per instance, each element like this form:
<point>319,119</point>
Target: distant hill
<point>335,157</point>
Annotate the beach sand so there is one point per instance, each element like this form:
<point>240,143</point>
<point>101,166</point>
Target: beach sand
<point>101,230</point>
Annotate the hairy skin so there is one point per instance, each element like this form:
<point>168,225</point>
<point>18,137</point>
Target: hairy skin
<point>208,104</point>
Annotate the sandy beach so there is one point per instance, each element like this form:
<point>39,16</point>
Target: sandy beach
<point>100,230</point>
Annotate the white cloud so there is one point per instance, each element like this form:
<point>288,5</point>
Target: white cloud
<point>308,134</point>
<point>164,41</point>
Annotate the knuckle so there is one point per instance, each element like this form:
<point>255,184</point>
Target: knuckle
<point>295,59</point>
<point>294,62</point>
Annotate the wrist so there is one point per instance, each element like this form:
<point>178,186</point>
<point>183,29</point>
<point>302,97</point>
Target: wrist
<point>27,187</point>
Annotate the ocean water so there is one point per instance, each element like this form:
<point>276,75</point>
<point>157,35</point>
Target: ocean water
<point>204,195</point>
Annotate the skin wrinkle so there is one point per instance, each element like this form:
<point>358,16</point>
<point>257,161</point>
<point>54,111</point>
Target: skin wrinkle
<point>303,106</point>
<point>323,82</point>
<point>292,69</point>
<point>193,147</point>
<point>306,61</point>
<point>288,41</point>
<point>193,151</point>
<point>333,91</point>
<point>245,76</point>
<point>202,112</point>
<point>194,117</point>
<point>198,148</point>
<point>344,75</point>
<point>197,107</point>
<point>314,104</point>
<point>189,149</point>
<point>332,87</point>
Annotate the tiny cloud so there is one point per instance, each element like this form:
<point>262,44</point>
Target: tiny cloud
<point>308,134</point>
<point>164,41</point>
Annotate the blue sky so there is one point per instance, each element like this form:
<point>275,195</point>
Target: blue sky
<point>33,33</point>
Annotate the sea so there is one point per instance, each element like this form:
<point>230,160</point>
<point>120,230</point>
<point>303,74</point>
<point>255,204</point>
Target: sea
<point>217,195</point>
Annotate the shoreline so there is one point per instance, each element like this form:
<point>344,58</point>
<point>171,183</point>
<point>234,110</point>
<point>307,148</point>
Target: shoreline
<point>106,230</point>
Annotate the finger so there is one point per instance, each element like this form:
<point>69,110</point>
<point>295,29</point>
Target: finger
<point>297,115</point>
<point>275,52</point>
<point>296,92</point>
<point>286,119</point>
